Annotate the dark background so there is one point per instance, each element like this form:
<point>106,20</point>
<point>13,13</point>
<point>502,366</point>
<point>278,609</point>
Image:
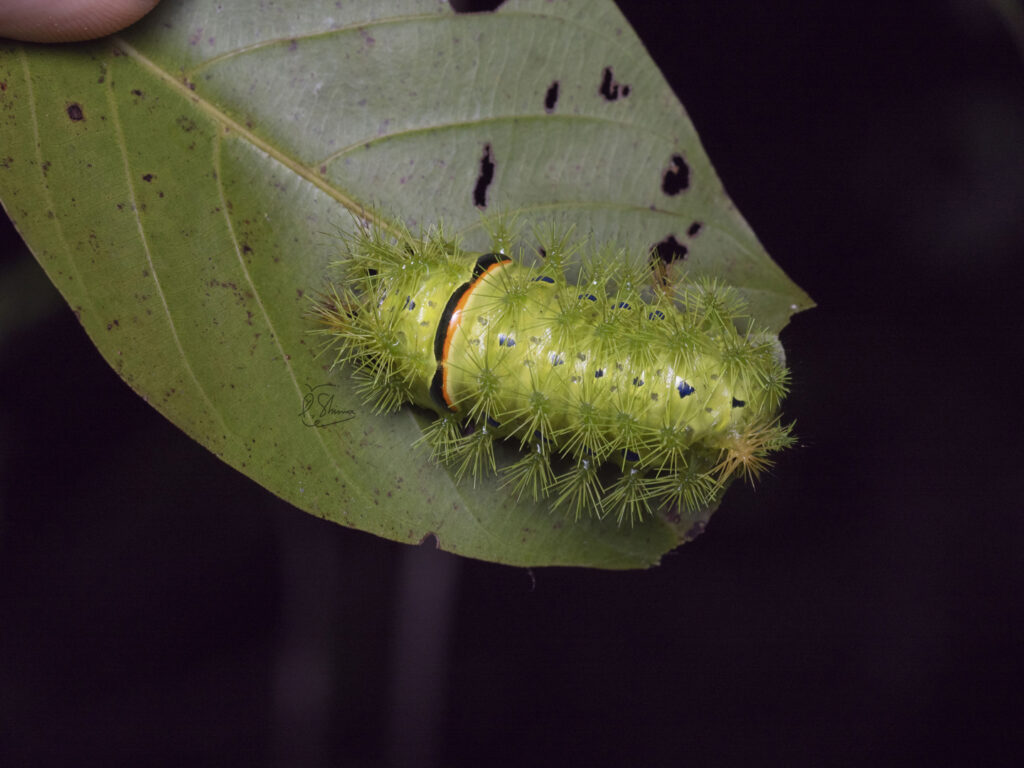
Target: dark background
<point>862,607</point>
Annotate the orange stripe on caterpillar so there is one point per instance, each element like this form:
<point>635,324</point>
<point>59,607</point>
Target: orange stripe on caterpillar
<point>485,265</point>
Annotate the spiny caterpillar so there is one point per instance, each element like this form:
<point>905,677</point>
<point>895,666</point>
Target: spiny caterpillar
<point>624,395</point>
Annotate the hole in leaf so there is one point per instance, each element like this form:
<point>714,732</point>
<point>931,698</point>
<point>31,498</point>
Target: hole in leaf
<point>677,177</point>
<point>551,98</point>
<point>610,88</point>
<point>483,181</point>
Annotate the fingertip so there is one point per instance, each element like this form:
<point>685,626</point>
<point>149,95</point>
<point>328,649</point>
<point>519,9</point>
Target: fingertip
<point>66,21</point>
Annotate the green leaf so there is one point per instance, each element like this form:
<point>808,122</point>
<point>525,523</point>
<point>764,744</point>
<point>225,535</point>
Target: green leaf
<point>184,183</point>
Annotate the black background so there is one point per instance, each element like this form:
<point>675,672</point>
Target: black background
<point>861,607</point>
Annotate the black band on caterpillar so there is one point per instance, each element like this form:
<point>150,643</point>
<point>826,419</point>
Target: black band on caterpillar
<point>441,334</point>
<point>437,390</point>
<point>449,323</point>
<point>486,261</point>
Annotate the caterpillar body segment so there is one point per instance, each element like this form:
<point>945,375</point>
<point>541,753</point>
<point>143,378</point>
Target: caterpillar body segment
<point>622,399</point>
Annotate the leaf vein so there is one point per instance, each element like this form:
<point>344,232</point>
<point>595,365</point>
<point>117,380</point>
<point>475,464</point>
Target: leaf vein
<point>219,175</point>
<point>37,142</point>
<point>362,143</point>
<point>274,41</point>
<point>122,145</point>
<point>303,171</point>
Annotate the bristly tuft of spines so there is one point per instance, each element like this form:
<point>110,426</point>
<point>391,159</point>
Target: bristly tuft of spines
<point>532,475</point>
<point>629,498</point>
<point>625,395</point>
<point>747,452</point>
<point>578,490</point>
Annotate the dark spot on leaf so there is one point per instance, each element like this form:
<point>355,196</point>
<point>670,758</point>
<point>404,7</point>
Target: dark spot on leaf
<point>610,89</point>
<point>147,177</point>
<point>483,181</point>
<point>75,112</point>
<point>694,229</point>
<point>138,93</point>
<point>551,98</point>
<point>246,248</point>
<point>677,177</point>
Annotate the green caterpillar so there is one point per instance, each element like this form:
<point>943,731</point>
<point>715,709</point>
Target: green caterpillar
<point>624,396</point>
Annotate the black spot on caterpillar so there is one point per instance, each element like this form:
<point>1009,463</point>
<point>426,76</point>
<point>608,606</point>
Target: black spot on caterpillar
<point>624,396</point>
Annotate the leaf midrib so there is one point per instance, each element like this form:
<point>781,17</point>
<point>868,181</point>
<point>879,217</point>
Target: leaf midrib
<point>220,116</point>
